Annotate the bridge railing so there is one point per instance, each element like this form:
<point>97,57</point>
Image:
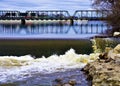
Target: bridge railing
<point>51,14</point>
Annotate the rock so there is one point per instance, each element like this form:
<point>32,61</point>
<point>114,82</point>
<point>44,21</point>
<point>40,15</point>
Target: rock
<point>72,82</point>
<point>117,49</point>
<point>115,53</point>
<point>117,59</point>
<point>116,34</point>
<point>108,60</point>
<point>103,56</point>
<point>67,85</point>
<point>111,54</point>
<point>104,74</point>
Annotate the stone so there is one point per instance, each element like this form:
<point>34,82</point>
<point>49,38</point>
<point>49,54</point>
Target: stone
<point>103,56</point>
<point>116,50</point>
<point>116,34</point>
<point>115,53</point>
<point>111,54</point>
<point>72,82</point>
<point>104,74</point>
<point>67,85</point>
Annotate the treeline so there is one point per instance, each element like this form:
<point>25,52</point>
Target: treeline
<point>113,18</point>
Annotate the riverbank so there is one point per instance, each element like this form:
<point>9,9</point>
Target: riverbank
<point>106,70</point>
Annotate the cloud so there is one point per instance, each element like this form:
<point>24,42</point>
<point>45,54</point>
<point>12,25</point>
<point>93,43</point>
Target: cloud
<point>23,5</point>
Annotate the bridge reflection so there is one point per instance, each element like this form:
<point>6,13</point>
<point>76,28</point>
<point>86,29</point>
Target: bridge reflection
<point>34,29</point>
<point>91,29</point>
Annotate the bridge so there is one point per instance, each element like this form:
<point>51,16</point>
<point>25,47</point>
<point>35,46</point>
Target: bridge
<point>42,15</point>
<point>91,14</point>
<point>53,15</point>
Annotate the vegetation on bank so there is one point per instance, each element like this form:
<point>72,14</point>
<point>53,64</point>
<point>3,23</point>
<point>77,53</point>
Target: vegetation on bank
<point>101,45</point>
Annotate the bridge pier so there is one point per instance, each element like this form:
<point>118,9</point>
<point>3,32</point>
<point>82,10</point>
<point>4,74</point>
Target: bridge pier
<point>23,21</point>
<point>71,21</point>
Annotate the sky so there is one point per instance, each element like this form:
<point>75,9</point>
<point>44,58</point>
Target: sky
<point>23,5</point>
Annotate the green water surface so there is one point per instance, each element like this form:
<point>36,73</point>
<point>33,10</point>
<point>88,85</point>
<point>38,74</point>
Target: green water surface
<point>46,48</point>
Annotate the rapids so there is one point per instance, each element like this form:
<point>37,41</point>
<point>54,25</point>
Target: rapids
<point>13,68</point>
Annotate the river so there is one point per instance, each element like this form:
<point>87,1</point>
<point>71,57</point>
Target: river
<point>38,54</point>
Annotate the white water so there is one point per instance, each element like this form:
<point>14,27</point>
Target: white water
<point>18,68</point>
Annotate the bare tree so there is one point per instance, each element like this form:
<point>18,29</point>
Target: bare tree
<point>113,17</point>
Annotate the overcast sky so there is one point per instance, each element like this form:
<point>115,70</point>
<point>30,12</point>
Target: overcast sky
<point>23,5</point>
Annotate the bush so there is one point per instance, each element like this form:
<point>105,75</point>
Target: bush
<point>104,44</point>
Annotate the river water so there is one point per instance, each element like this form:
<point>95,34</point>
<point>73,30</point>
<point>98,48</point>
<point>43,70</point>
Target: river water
<point>27,71</point>
<point>38,54</point>
<point>52,30</point>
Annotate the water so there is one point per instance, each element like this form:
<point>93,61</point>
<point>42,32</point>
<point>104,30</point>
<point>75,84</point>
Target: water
<point>48,37</point>
<point>19,69</point>
<point>36,54</point>
<point>52,30</point>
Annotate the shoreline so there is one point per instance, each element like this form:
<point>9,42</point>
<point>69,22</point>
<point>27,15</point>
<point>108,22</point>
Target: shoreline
<point>102,73</point>
<point>105,71</point>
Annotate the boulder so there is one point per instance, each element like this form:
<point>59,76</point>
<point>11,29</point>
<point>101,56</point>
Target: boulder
<point>103,74</point>
<point>72,82</point>
<point>116,34</point>
<point>67,85</point>
<point>117,49</point>
<point>115,53</point>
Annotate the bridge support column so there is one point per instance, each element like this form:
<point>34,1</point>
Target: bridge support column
<point>71,21</point>
<point>17,14</point>
<point>23,21</point>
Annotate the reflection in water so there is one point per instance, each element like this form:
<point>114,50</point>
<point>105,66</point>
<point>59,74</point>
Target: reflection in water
<point>33,29</point>
<point>37,30</point>
<point>50,32</point>
<point>90,29</point>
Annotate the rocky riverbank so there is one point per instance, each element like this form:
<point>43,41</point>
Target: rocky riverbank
<point>105,71</point>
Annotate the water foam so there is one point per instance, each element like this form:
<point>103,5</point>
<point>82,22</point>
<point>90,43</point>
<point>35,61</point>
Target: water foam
<point>18,68</point>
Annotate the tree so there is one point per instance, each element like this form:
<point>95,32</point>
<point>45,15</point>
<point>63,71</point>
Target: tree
<point>113,16</point>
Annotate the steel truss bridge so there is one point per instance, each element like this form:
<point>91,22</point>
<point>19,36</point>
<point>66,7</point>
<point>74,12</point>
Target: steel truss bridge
<point>54,15</point>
